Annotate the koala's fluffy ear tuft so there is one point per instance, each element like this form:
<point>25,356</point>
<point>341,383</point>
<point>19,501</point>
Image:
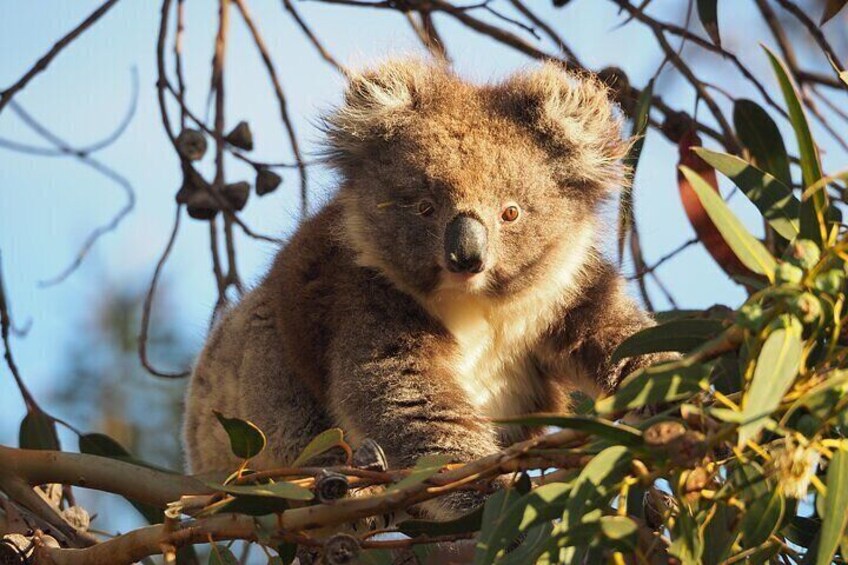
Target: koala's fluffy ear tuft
<point>573,118</point>
<point>378,103</point>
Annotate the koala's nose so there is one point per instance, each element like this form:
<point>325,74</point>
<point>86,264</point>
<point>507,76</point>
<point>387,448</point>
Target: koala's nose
<point>465,244</point>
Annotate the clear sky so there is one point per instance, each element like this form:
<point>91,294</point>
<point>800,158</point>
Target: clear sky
<point>48,205</point>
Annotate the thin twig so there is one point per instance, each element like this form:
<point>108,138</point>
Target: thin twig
<point>5,326</point>
<point>314,39</point>
<point>42,64</point>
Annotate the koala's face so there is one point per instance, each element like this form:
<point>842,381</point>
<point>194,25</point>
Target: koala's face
<point>452,186</point>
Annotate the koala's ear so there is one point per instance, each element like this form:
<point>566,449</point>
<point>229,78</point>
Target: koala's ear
<point>573,118</point>
<point>378,103</point>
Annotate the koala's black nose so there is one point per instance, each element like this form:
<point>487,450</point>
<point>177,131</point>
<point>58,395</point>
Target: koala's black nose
<point>465,244</point>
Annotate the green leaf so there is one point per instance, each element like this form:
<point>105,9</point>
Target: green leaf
<point>287,552</point>
<point>424,468</point>
<point>745,246</point>
<point>631,161</point>
<point>814,209</point>
<point>220,555</point>
<point>772,198</point>
<point>687,544</point>
<point>620,530</point>
<point>246,439</point>
<point>762,519</point>
<point>835,519</point>
<point>776,369</point>
<point>595,483</point>
<point>532,546</point>
<point>375,557</point>
<point>620,433</point>
<point>38,431</point>
<point>831,8</point>
<point>466,523</point>
<point>761,136</point>
<point>489,545</point>
<point>681,335</point>
<point>656,385</point>
<point>280,489</point>
<point>321,443</point>
<point>708,14</point>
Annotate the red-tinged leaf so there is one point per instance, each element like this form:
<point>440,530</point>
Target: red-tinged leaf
<point>704,227</point>
<point>831,8</point>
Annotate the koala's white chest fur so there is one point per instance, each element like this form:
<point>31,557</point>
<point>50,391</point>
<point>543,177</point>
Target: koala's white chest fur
<point>496,338</point>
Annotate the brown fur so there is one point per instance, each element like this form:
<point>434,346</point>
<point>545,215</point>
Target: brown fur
<point>359,325</point>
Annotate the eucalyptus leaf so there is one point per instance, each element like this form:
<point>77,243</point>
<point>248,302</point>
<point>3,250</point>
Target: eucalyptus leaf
<point>656,385</point>
<point>220,555</point>
<point>762,519</point>
<point>620,433</point>
<point>246,439</point>
<point>835,519</point>
<point>424,468</point>
<point>750,251</point>
<point>708,14</point>
<point>761,137</point>
<point>279,489</point>
<point>772,197</point>
<point>38,431</point>
<point>320,444</point>
<point>681,335</point>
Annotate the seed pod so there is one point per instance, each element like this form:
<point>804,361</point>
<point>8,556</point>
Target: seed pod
<point>803,253</point>
<point>807,307</point>
<point>658,506</point>
<point>191,144</point>
<point>341,549</point>
<point>330,486</point>
<point>750,316</point>
<point>201,205</point>
<point>787,273</point>
<point>676,125</point>
<point>832,282</point>
<point>370,456</point>
<point>662,434</point>
<point>616,79</point>
<point>241,137</point>
<point>267,181</point>
<point>192,182</point>
<point>236,194</point>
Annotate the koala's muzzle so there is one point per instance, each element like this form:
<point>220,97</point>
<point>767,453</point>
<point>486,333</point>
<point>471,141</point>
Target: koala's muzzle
<point>465,245</point>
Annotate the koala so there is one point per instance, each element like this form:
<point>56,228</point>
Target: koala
<point>454,278</point>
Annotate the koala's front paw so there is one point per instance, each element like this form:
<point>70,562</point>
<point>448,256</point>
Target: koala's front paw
<point>452,505</point>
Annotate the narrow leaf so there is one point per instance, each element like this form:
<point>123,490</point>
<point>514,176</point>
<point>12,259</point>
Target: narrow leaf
<point>813,210</point>
<point>280,489</point>
<point>595,483</point>
<point>776,369</point>
<point>322,443</point>
<point>38,431</point>
<point>620,433</point>
<point>424,468</point>
<point>678,335</point>
<point>762,519</point>
<point>656,385</point>
<point>761,137</point>
<point>220,555</point>
<point>466,523</point>
<point>772,198</point>
<point>488,544</point>
<point>246,439</point>
<point>835,519</point>
<point>750,251</point>
<point>708,14</point>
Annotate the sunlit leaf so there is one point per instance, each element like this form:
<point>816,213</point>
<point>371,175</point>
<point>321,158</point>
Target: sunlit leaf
<point>424,468</point>
<point>246,439</point>
<point>708,14</point>
<point>492,540</point>
<point>38,431</point>
<point>534,543</point>
<point>594,483</point>
<point>656,385</point>
<point>620,433</point>
<point>813,210</point>
<point>777,367</point>
<point>321,443</point>
<point>771,197</point>
<point>619,529</point>
<point>703,222</point>
<point>761,137</point>
<point>687,544</point>
<point>835,519</point>
<point>831,8</point>
<point>747,248</point>
<point>679,335</point>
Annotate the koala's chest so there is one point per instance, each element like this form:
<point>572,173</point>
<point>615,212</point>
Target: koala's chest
<point>494,363</point>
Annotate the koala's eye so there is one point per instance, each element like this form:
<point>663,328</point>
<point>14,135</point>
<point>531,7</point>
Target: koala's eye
<point>511,213</point>
<point>426,208</point>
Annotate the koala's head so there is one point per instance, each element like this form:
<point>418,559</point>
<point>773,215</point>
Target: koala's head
<point>482,189</point>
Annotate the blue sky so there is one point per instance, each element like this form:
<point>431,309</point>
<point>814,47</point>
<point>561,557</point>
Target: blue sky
<point>48,205</point>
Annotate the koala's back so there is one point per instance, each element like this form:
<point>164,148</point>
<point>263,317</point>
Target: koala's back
<point>264,360</point>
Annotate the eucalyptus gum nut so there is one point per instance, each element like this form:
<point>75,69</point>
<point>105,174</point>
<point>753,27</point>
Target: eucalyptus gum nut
<point>803,253</point>
<point>267,181</point>
<point>787,273</point>
<point>241,137</point>
<point>191,144</point>
<point>201,205</point>
<point>237,194</point>
<point>330,486</point>
<point>807,307</point>
<point>341,549</point>
<point>750,316</point>
<point>832,282</point>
